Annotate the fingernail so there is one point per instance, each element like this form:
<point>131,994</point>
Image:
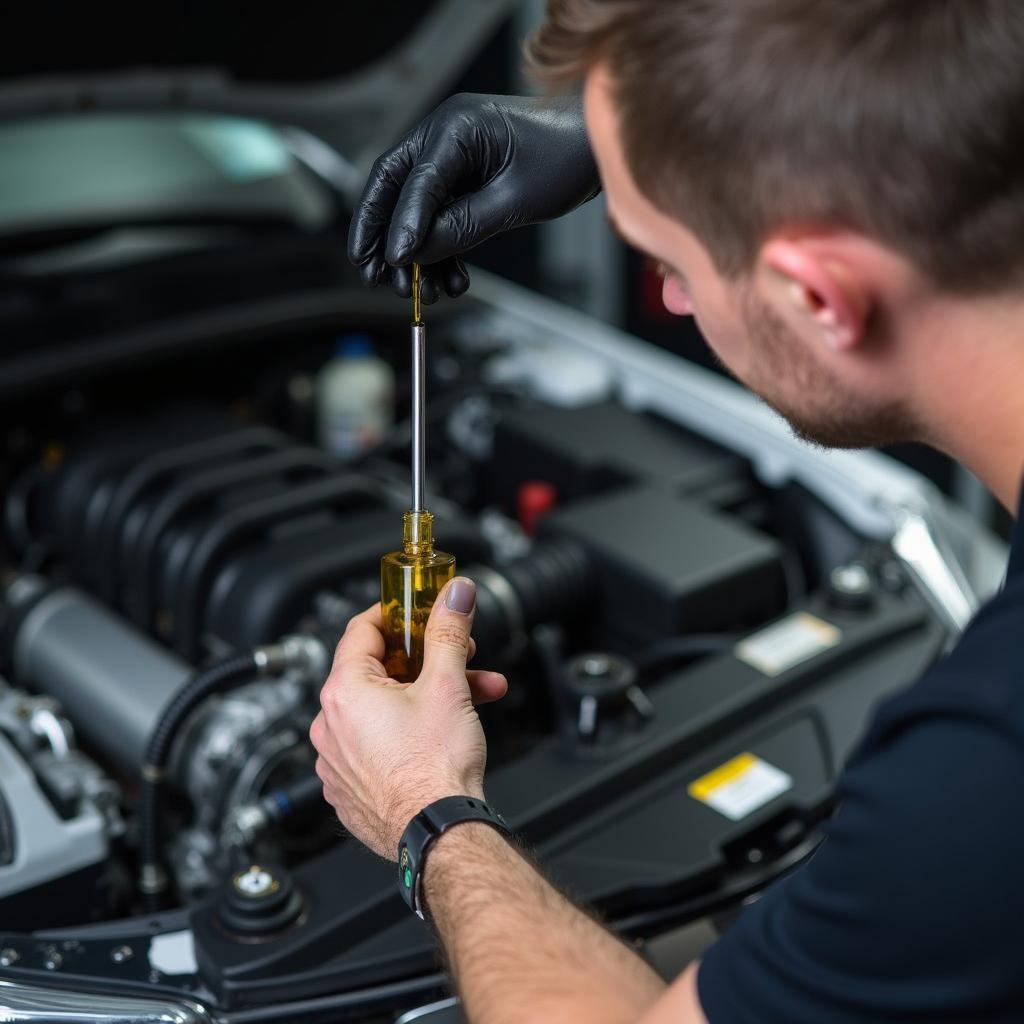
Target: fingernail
<point>461,595</point>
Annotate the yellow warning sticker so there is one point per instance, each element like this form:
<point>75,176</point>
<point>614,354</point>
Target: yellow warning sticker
<point>740,786</point>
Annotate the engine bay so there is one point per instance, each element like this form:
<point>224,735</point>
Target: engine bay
<point>179,571</point>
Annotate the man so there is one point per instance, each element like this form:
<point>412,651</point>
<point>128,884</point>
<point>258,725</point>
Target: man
<point>836,188</point>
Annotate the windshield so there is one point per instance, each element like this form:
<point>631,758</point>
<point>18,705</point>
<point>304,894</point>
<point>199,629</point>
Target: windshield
<point>89,170</point>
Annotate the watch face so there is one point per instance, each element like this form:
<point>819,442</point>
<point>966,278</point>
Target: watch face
<point>405,867</point>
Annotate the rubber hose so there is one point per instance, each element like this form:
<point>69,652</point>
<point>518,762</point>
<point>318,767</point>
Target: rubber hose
<point>208,681</point>
<point>551,584</point>
<point>297,796</point>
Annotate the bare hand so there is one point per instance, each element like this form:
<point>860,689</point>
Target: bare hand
<point>388,749</point>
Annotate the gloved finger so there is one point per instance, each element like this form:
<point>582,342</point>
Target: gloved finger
<point>372,271</point>
<point>446,639</point>
<point>486,687</point>
<point>429,185</point>
<point>454,276</point>
<point>384,278</point>
<point>401,281</point>
<point>430,287</point>
<point>466,222</point>
<point>368,229</point>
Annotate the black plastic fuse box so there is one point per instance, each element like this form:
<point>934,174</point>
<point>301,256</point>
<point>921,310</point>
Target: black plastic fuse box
<point>669,566</point>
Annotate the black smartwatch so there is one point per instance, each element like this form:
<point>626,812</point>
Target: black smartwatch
<point>434,820</point>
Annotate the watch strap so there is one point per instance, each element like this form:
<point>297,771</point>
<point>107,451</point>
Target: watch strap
<point>434,820</point>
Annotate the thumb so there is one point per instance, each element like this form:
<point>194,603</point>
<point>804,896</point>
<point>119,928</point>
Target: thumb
<point>446,640</point>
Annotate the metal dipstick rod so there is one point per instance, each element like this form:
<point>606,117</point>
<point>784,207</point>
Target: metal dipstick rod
<point>419,355</point>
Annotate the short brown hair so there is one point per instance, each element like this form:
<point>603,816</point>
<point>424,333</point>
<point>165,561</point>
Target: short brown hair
<point>903,119</point>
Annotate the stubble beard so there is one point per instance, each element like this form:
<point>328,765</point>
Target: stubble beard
<point>819,408</point>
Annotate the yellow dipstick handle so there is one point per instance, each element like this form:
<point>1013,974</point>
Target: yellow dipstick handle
<point>410,581</point>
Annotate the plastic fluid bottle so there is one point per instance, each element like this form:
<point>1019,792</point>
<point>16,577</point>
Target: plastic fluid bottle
<point>410,581</point>
<point>355,398</point>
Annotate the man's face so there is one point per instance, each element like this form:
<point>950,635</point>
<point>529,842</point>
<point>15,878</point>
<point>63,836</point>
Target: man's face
<point>793,375</point>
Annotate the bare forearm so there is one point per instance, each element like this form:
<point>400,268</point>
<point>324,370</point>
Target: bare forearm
<point>518,949</point>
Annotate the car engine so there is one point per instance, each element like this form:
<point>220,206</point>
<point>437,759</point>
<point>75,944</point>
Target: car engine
<point>173,540</point>
<point>181,561</point>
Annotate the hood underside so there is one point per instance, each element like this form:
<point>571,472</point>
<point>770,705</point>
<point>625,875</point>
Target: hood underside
<point>354,76</point>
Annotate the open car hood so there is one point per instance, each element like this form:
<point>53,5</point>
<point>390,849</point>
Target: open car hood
<point>352,79</point>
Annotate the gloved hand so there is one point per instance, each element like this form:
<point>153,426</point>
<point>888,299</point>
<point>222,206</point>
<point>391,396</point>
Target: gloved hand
<point>476,166</point>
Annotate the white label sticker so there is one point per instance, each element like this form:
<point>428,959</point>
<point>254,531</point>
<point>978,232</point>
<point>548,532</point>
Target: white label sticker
<point>740,786</point>
<point>789,642</point>
<point>173,953</point>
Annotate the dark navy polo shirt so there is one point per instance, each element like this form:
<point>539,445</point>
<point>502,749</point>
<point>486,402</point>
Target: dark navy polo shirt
<point>912,909</point>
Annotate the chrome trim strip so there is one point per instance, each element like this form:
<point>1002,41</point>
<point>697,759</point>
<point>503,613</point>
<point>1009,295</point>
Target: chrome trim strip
<point>39,1004</point>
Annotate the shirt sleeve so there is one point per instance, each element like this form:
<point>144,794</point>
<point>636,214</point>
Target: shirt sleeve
<point>911,910</point>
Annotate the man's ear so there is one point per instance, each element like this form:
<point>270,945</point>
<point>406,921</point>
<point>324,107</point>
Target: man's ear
<point>816,293</point>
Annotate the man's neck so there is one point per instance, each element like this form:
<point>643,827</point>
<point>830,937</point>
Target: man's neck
<point>971,389</point>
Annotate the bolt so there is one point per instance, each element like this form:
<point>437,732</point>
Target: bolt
<point>852,580</point>
<point>256,881</point>
<point>597,665</point>
<point>53,960</point>
<point>120,954</point>
<point>9,956</point>
<point>851,587</point>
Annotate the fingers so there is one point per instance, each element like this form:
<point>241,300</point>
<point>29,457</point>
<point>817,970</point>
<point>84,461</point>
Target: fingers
<point>430,282</point>
<point>363,641</point>
<point>486,687</point>
<point>467,221</point>
<point>327,775</point>
<point>430,292</point>
<point>368,230</point>
<point>446,641</point>
<point>378,213</point>
<point>318,730</point>
<point>401,281</point>
<point>427,187</point>
<point>454,276</point>
<point>449,276</point>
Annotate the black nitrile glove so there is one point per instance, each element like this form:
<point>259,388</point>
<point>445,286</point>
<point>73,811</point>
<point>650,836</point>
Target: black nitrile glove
<point>476,166</point>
